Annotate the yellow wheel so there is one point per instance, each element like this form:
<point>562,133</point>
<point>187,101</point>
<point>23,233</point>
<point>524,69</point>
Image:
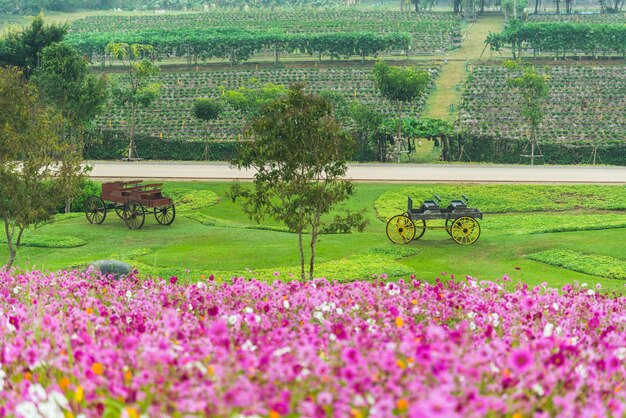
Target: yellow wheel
<point>465,230</point>
<point>400,229</point>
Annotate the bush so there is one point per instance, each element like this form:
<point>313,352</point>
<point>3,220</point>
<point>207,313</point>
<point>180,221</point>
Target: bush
<point>109,145</point>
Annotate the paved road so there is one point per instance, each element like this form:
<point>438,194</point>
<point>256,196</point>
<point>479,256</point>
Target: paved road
<point>430,173</point>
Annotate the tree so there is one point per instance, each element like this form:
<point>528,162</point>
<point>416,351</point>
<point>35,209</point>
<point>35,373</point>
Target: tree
<point>206,110</point>
<point>533,88</point>
<point>23,49</point>
<point>29,152</point>
<point>66,83</point>
<point>299,154</point>
<point>400,84</point>
<point>136,90</point>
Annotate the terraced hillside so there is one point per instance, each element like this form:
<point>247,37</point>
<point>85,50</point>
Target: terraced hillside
<point>170,117</point>
<point>585,105</point>
<point>430,32</point>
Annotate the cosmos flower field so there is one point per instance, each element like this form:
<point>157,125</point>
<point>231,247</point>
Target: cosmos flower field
<point>76,344</point>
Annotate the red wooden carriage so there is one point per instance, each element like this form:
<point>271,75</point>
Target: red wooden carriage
<point>131,200</point>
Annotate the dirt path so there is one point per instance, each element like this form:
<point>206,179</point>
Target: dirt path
<point>449,83</point>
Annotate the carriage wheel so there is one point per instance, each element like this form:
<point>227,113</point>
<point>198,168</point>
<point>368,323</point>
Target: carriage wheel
<point>134,215</point>
<point>420,228</point>
<point>119,210</point>
<point>449,223</point>
<point>465,230</point>
<point>165,215</point>
<point>401,229</point>
<point>95,210</point>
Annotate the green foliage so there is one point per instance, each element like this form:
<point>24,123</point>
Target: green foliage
<point>29,144</point>
<point>545,222</point>
<point>504,198</point>
<point>402,84</point>
<point>299,154</point>
<point>428,128</point>
<point>23,49</point>
<point>534,90</point>
<point>138,90</point>
<point>187,200</point>
<point>114,146</point>
<point>237,45</point>
<point>249,100</point>
<point>592,264</point>
<point>560,38</point>
<point>206,109</point>
<point>48,241</point>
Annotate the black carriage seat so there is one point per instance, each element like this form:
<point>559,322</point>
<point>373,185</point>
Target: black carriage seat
<point>457,204</point>
<point>427,205</point>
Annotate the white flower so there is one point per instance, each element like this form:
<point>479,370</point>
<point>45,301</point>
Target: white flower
<point>257,319</point>
<point>558,330</point>
<point>49,409</point>
<point>248,346</point>
<point>248,310</point>
<point>129,295</point>
<point>573,340</point>
<point>538,389</point>
<point>555,306</point>
<point>339,311</point>
<point>37,392</point>
<point>286,304</point>
<point>590,292</point>
<point>27,409</point>
<point>318,315</point>
<point>581,370</point>
<point>548,330</point>
<point>620,353</point>
<point>281,351</point>
<point>2,376</point>
<point>471,315</point>
<point>494,368</point>
<point>201,285</point>
<point>472,326</point>
<point>232,320</point>
<point>16,289</point>
<point>584,285</point>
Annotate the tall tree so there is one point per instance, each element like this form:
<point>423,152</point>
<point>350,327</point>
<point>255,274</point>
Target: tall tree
<point>533,88</point>
<point>400,84</point>
<point>206,110</point>
<point>29,153</point>
<point>299,155</point>
<point>66,83</point>
<point>137,89</point>
<point>23,48</point>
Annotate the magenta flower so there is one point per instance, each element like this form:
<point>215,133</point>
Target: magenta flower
<point>520,360</point>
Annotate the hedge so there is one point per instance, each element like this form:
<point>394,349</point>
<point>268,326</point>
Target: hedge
<point>506,151</point>
<point>114,146</point>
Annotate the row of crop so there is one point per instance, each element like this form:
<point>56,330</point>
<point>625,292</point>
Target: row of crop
<point>428,35</point>
<point>297,19</point>
<point>239,45</point>
<point>561,38</point>
<point>585,106</point>
<point>595,18</point>
<point>170,117</point>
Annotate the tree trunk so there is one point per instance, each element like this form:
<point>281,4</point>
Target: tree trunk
<point>536,6</point>
<point>132,132</point>
<point>312,261</point>
<point>68,204</point>
<point>300,245</point>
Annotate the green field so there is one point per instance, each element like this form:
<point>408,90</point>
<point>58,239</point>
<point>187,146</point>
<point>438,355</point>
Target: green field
<point>218,239</point>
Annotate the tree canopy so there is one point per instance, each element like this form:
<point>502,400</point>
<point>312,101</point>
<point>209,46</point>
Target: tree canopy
<point>299,154</point>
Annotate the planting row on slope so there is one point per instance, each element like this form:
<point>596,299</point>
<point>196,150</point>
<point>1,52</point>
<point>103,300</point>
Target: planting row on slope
<point>585,105</point>
<point>437,32</point>
<point>170,117</point>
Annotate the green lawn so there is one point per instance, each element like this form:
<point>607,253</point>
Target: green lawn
<point>233,245</point>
